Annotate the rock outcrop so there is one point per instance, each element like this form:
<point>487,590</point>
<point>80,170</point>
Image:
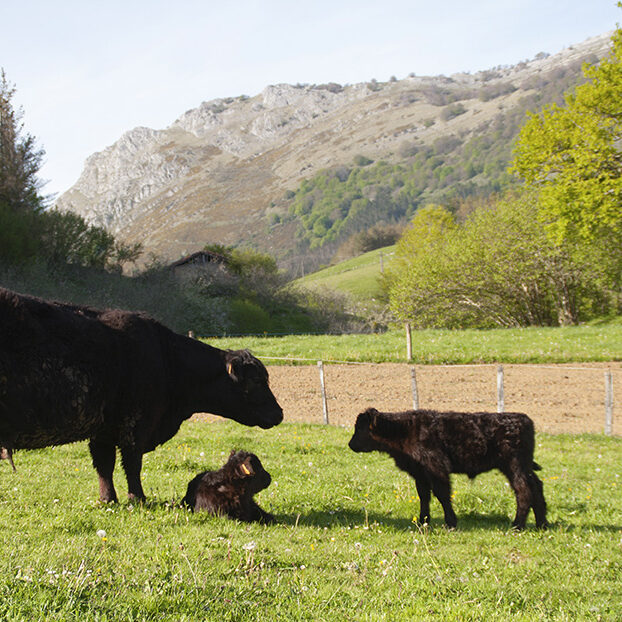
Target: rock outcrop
<point>215,172</point>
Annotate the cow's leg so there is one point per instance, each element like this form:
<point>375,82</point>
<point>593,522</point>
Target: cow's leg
<point>132,460</point>
<point>441,488</point>
<point>104,455</point>
<point>519,480</point>
<point>539,504</point>
<point>423,490</point>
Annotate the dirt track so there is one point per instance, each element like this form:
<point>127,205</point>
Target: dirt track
<point>559,398</point>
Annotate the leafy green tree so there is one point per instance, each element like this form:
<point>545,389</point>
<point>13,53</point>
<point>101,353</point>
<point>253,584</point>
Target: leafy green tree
<point>69,239</point>
<point>499,268</point>
<point>416,272</point>
<point>572,154</point>
<point>18,238</point>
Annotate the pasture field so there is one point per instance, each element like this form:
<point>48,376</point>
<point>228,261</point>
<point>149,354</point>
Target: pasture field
<point>358,276</point>
<point>600,341</point>
<point>345,548</point>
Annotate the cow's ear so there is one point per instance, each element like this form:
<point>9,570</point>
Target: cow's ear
<point>246,469</point>
<point>234,369</point>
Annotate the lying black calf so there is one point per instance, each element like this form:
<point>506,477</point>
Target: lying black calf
<point>229,491</point>
<point>430,445</point>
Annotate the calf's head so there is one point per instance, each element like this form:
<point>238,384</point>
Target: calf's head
<point>369,432</point>
<point>250,400</point>
<point>247,467</point>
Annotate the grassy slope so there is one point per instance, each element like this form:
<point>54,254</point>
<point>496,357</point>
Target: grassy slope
<point>357,277</point>
<point>346,547</point>
<point>591,342</point>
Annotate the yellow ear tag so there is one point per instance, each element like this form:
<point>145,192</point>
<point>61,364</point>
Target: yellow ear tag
<point>229,368</point>
<point>245,469</point>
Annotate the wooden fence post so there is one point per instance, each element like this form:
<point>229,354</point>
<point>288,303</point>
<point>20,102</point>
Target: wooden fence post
<point>320,365</point>
<point>413,384</point>
<point>409,342</point>
<point>500,390</point>
<point>608,402</point>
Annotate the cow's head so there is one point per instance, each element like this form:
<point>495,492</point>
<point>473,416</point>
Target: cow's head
<point>250,400</point>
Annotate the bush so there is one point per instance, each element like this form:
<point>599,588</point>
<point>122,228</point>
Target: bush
<point>361,160</point>
<point>452,111</point>
<point>248,317</point>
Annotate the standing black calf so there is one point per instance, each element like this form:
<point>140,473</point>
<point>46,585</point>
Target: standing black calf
<point>429,445</point>
<point>229,491</point>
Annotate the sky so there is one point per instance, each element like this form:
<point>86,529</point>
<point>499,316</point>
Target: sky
<point>87,71</point>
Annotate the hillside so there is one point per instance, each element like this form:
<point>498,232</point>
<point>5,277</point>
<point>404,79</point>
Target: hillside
<point>357,277</point>
<point>229,170</point>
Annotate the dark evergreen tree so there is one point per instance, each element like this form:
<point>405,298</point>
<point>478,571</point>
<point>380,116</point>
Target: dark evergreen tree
<point>20,158</point>
<point>20,200</point>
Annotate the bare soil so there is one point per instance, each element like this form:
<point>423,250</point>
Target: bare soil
<point>559,398</point>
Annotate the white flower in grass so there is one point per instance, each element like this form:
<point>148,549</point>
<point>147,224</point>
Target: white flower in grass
<point>249,546</point>
<point>101,533</point>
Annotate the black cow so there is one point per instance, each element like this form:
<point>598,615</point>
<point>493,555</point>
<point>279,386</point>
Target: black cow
<point>429,445</point>
<point>119,379</point>
<point>229,491</point>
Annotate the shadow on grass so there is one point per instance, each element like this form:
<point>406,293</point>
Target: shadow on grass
<point>466,522</point>
<point>360,518</point>
<point>351,517</point>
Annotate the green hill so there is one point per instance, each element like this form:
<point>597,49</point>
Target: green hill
<point>357,277</point>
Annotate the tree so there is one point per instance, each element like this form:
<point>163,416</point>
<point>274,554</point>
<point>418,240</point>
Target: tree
<point>20,159</point>
<point>499,268</point>
<point>20,202</point>
<point>69,239</point>
<point>572,154</point>
<point>414,277</point>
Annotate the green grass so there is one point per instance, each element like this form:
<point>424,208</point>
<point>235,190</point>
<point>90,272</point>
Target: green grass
<point>589,342</point>
<point>345,548</point>
<point>357,277</point>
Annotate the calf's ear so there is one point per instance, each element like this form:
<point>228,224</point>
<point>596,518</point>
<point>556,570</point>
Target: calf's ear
<point>246,469</point>
<point>374,419</point>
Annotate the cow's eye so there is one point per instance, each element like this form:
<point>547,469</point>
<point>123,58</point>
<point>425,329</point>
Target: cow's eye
<point>250,386</point>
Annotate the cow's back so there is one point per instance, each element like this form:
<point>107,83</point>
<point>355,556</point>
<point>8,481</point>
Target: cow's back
<point>62,368</point>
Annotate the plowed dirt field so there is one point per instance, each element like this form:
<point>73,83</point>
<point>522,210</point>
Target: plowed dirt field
<point>559,398</point>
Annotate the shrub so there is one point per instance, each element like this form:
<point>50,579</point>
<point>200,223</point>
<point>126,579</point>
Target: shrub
<point>361,160</point>
<point>452,111</point>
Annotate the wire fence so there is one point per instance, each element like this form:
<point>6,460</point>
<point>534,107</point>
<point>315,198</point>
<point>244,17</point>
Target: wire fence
<point>559,398</point>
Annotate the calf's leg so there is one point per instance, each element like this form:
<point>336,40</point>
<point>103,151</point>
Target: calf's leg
<point>539,504</point>
<point>255,513</point>
<point>132,460</point>
<point>104,456</point>
<point>423,490</point>
<point>519,480</point>
<point>441,488</point>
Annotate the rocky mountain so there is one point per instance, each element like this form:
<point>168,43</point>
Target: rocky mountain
<point>219,171</point>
